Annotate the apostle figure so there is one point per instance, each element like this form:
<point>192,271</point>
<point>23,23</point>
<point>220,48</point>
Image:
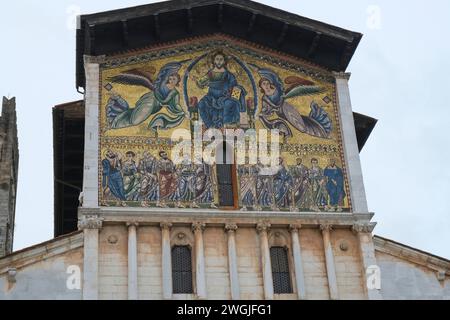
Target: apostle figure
<point>112,177</point>
<point>186,182</point>
<point>282,183</point>
<point>300,178</point>
<point>225,98</point>
<point>130,177</point>
<point>317,187</point>
<point>335,186</point>
<point>167,179</point>
<point>247,181</point>
<point>264,187</point>
<point>204,185</point>
<point>149,188</point>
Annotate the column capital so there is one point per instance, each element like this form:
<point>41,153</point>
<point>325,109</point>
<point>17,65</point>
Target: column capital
<point>165,225</point>
<point>363,227</point>
<point>231,227</point>
<point>294,228</point>
<point>94,59</point>
<point>263,226</point>
<point>326,227</point>
<point>198,226</point>
<point>342,75</point>
<point>132,224</point>
<point>90,222</point>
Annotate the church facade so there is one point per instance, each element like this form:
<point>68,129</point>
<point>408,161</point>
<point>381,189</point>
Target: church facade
<point>220,160</point>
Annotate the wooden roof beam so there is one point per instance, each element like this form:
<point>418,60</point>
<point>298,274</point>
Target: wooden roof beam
<point>282,35</point>
<point>346,55</point>
<point>189,20</point>
<point>156,26</point>
<point>251,23</point>
<point>220,16</point>
<point>91,36</point>
<point>314,44</point>
<point>125,34</point>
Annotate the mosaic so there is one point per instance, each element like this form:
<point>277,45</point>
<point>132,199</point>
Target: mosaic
<point>223,84</point>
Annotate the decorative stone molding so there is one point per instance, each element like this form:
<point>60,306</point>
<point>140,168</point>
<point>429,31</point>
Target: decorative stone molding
<point>181,236</point>
<point>90,222</point>
<point>279,238</point>
<point>12,272</point>
<point>344,246</point>
<point>133,223</point>
<point>263,226</point>
<point>94,59</point>
<point>40,252</point>
<point>363,227</point>
<point>231,227</point>
<point>326,227</point>
<point>440,275</point>
<point>198,226</point>
<point>342,75</point>
<point>421,258</point>
<point>294,228</point>
<point>165,225</point>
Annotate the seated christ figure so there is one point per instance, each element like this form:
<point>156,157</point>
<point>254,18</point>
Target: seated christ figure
<point>225,98</point>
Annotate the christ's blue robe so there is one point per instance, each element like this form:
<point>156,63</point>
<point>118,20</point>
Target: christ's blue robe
<point>218,107</point>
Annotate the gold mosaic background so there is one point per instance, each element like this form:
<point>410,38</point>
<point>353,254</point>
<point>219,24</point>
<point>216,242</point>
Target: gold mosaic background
<point>139,138</point>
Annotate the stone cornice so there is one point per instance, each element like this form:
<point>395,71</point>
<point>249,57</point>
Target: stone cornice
<point>221,217</point>
<point>400,251</point>
<point>42,251</point>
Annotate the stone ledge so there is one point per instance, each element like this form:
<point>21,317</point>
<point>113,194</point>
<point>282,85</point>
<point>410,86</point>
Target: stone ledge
<point>411,254</point>
<point>42,251</point>
<point>152,216</point>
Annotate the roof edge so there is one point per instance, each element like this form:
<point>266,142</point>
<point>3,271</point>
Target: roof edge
<point>409,253</point>
<point>43,250</point>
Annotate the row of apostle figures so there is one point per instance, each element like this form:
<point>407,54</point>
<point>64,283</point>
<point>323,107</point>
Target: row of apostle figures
<point>160,181</point>
<point>293,187</point>
<point>152,180</point>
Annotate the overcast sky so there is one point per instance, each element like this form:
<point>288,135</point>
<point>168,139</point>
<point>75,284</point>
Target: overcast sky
<point>400,75</point>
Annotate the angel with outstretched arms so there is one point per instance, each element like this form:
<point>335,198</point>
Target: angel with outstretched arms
<point>162,93</point>
<point>274,100</point>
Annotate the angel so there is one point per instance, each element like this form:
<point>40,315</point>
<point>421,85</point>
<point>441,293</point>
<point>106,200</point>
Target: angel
<point>317,124</point>
<point>162,92</point>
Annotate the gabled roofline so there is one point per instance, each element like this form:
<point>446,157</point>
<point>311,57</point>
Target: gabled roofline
<point>42,251</point>
<point>114,31</point>
<point>406,252</point>
<point>253,6</point>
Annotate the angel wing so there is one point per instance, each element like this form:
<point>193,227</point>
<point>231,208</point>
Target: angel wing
<point>301,87</point>
<point>135,77</point>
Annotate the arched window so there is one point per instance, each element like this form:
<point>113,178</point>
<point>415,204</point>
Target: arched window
<point>280,270</point>
<point>182,269</point>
